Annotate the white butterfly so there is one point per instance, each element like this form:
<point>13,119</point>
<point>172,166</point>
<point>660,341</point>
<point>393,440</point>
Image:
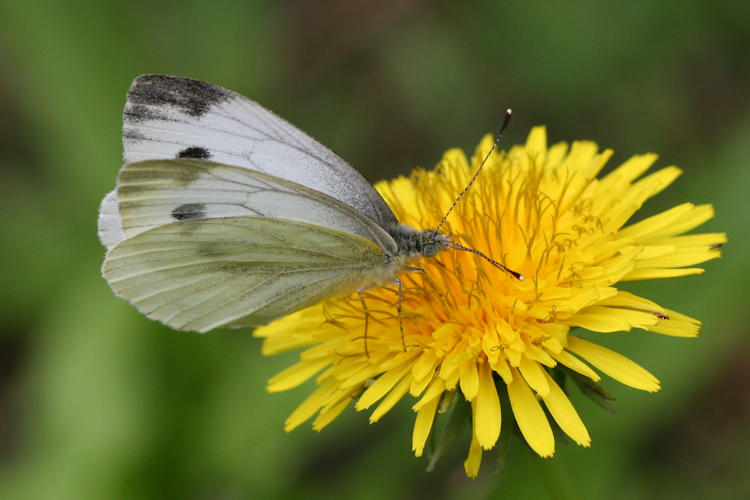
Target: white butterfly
<point>227,215</point>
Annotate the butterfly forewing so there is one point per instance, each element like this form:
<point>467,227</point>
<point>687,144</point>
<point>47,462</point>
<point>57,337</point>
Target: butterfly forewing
<point>173,117</point>
<point>199,275</point>
<point>110,223</point>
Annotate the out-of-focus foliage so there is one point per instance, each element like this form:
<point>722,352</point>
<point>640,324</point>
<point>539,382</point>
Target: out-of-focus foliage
<point>96,401</point>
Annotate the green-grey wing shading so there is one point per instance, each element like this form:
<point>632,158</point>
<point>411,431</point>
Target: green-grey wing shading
<point>236,271</point>
<point>158,192</point>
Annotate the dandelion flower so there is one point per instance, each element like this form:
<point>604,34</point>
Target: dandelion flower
<point>476,333</point>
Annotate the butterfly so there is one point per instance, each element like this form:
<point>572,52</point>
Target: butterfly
<point>226,215</point>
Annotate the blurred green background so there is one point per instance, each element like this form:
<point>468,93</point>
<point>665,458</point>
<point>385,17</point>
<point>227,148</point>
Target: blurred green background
<point>96,401</point>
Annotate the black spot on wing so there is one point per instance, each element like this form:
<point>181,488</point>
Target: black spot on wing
<point>189,211</point>
<point>195,152</point>
<point>192,97</point>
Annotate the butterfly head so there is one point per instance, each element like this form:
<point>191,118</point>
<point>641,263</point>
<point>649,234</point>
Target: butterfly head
<point>413,244</point>
<point>431,242</point>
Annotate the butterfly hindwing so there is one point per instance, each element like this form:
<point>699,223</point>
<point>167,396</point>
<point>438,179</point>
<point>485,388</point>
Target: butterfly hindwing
<point>199,275</point>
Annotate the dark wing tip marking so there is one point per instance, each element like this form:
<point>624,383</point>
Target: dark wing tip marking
<point>192,97</point>
<point>195,152</point>
<point>130,136</point>
<point>189,211</point>
<point>138,113</point>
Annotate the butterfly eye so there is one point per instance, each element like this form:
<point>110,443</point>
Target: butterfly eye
<point>430,250</point>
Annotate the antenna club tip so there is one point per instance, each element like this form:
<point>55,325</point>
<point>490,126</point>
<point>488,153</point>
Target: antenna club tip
<point>520,277</point>
<point>509,111</point>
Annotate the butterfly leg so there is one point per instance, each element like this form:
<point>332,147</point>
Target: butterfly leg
<point>367,314</point>
<point>400,285</point>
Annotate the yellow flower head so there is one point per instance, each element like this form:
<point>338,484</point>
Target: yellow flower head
<point>471,328</point>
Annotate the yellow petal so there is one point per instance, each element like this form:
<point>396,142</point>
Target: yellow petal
<point>667,322</point>
<point>653,184</point>
<point>311,405</point>
<point>329,414</point>
<point>629,300</point>
<point>536,143</point>
<point>564,413</point>
<point>418,386</point>
<point>680,258</point>
<point>382,385</point>
<point>533,374</point>
<point>575,364</point>
<point>697,216</point>
<point>487,418</point>
<point>296,374</point>
<point>678,325</point>
<point>530,417</point>
<point>613,364</point>
<point>424,365</point>
<point>500,366</point>
<point>469,379</point>
<point>434,391</point>
<point>612,319</point>
<point>555,154</point>
<point>597,163</point>
<point>359,377</point>
<point>669,223</point>
<point>423,425</point>
<point>474,460</point>
<point>581,154</point>
<point>290,332</point>
<point>630,170</point>
<point>280,326</point>
<point>639,274</point>
<point>390,400</point>
<point>695,240</point>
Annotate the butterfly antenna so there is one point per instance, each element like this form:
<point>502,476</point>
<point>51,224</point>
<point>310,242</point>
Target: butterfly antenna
<point>458,246</point>
<point>508,113</point>
<point>495,263</point>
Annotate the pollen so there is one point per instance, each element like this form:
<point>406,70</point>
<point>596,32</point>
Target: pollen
<point>475,334</point>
